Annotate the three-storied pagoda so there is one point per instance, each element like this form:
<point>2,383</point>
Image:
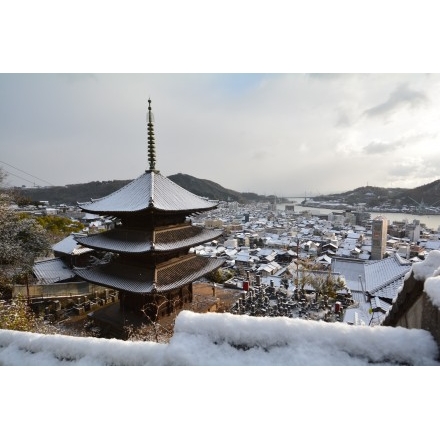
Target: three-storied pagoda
<point>153,269</point>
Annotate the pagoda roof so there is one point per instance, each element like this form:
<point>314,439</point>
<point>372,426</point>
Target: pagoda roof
<point>135,279</point>
<point>150,191</point>
<point>122,240</point>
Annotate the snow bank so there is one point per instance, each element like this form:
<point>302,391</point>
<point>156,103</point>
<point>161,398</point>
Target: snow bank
<point>429,272</point>
<point>225,339</point>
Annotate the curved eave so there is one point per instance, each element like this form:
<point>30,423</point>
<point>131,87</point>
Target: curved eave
<point>191,276</point>
<point>188,243</point>
<point>140,281</point>
<point>110,242</point>
<point>148,193</point>
<point>147,211</point>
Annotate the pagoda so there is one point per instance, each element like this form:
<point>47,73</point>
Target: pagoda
<point>151,267</point>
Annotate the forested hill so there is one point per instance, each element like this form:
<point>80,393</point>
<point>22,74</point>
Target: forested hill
<point>212,190</point>
<point>428,194</point>
<point>82,192</point>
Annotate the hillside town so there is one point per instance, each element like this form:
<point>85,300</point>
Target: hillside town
<point>143,248</point>
<point>280,262</point>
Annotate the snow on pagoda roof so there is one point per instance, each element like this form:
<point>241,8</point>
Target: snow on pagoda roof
<point>136,241</point>
<point>150,191</point>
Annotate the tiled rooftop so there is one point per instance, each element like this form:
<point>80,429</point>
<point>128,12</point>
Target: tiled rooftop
<point>52,271</point>
<point>137,241</point>
<point>150,190</point>
<point>170,275</point>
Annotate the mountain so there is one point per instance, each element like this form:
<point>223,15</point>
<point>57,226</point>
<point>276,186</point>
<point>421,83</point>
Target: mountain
<point>424,195</point>
<point>82,192</point>
<point>214,191</point>
<point>428,194</point>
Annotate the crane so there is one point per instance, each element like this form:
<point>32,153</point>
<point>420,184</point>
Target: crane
<point>422,208</point>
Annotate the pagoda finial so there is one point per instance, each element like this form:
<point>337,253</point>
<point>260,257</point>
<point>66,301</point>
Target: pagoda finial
<point>151,148</point>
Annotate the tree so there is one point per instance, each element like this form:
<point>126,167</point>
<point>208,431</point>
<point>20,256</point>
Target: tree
<point>322,282</point>
<point>57,227</point>
<point>220,275</point>
<point>16,315</point>
<point>327,284</point>
<point>22,240</point>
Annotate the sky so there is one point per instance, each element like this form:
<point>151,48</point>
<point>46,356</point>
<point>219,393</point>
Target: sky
<point>233,103</point>
<point>253,100</point>
<point>284,134</point>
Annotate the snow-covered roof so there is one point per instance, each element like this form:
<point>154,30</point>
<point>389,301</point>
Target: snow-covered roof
<point>380,278</point>
<point>139,241</point>
<point>152,191</point>
<point>69,246</point>
<point>432,245</point>
<point>168,276</point>
<point>52,271</point>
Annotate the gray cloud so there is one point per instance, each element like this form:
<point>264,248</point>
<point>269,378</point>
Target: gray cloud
<point>327,76</point>
<point>402,96</point>
<point>404,170</point>
<point>380,147</point>
<point>343,120</point>
<point>274,134</point>
<point>415,168</point>
<point>77,77</point>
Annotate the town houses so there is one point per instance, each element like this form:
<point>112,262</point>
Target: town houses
<point>149,241</point>
<point>262,245</point>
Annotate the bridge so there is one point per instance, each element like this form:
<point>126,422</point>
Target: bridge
<point>290,197</point>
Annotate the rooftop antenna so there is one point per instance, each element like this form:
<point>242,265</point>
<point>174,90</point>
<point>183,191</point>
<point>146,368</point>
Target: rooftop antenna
<point>151,147</point>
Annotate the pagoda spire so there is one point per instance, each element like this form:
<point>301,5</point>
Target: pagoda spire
<point>151,147</point>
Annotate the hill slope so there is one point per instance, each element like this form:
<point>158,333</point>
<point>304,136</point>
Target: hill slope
<point>82,192</point>
<point>428,194</point>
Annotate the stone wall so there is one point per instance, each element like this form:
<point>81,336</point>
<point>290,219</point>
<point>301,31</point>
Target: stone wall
<point>56,290</point>
<point>414,309</point>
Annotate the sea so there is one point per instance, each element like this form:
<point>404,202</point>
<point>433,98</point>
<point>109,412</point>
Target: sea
<point>431,221</point>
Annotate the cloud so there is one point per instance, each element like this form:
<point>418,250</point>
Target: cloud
<point>260,154</point>
<point>401,97</point>
<point>380,147</point>
<point>413,167</point>
<point>259,133</point>
<point>343,120</point>
<point>327,76</point>
<point>77,77</point>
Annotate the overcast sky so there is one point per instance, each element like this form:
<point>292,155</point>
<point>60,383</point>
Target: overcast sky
<point>283,134</point>
<point>274,133</point>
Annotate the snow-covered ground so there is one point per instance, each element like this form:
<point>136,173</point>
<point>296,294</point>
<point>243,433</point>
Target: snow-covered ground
<point>226,339</point>
<point>240,392</point>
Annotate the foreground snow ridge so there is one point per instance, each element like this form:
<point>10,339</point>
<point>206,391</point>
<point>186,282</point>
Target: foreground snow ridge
<point>215,339</point>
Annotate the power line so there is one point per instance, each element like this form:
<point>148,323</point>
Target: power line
<point>12,166</point>
<point>12,174</point>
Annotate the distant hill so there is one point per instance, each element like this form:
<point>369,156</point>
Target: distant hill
<point>214,191</point>
<point>82,192</point>
<point>371,195</point>
<point>428,194</point>
<point>71,194</point>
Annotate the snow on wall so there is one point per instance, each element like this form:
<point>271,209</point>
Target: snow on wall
<point>222,339</point>
<point>429,272</point>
